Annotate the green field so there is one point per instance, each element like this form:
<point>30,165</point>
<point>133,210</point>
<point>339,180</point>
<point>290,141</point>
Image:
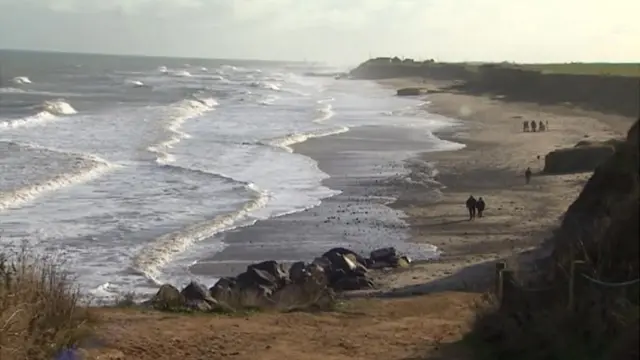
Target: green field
<point>576,68</point>
<point>618,69</point>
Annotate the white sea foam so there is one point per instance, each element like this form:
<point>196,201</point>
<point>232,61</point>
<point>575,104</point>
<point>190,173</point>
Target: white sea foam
<point>50,110</point>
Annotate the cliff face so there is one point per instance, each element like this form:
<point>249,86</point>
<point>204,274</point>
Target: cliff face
<point>603,221</point>
<point>612,94</point>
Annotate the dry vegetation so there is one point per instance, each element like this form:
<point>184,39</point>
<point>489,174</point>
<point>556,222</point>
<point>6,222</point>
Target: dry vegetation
<point>39,312</point>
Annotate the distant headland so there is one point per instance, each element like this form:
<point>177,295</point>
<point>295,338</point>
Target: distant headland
<point>606,87</point>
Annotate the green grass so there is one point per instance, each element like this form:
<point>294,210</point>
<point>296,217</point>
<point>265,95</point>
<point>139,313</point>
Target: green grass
<point>575,68</point>
<point>617,69</point>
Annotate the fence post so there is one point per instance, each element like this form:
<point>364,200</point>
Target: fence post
<point>500,265</point>
<point>578,268</point>
<point>507,288</point>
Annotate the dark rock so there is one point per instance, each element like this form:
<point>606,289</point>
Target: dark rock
<point>343,251</point>
<point>323,263</point>
<point>167,297</point>
<point>379,265</point>
<point>351,283</point>
<point>311,292</point>
<point>412,91</point>
<point>384,254</point>
<point>341,263</point>
<point>298,271</point>
<point>196,296</point>
<point>274,269</point>
<point>223,288</point>
<point>256,277</point>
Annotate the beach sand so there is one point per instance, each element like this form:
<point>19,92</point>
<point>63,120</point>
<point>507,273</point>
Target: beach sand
<point>518,217</point>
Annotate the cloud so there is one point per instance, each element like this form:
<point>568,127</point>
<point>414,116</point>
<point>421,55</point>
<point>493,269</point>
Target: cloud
<point>521,30</point>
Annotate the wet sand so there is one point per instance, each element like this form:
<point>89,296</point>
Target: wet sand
<point>366,165</point>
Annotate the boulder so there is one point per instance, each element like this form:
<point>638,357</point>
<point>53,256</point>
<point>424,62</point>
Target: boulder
<point>274,269</point>
<point>168,297</point>
<point>577,159</point>
<point>224,290</point>
<point>197,297</point>
<point>342,251</point>
<point>256,277</point>
<point>298,271</point>
<point>350,283</point>
<point>322,263</point>
<point>310,292</point>
<point>383,254</point>
<point>403,262</point>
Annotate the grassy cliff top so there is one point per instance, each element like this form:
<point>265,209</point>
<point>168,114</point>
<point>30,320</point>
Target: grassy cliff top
<point>575,68</point>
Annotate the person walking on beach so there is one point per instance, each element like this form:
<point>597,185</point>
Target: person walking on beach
<point>527,175</point>
<point>471,206</point>
<point>480,205</point>
<point>533,125</point>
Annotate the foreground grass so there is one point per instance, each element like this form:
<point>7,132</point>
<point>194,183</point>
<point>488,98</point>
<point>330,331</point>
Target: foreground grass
<point>39,308</point>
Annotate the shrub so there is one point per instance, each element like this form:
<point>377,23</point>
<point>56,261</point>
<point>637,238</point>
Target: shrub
<point>39,308</point>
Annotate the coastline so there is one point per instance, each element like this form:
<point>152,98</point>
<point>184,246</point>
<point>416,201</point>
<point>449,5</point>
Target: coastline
<point>365,165</point>
<point>430,211</point>
<point>519,217</point>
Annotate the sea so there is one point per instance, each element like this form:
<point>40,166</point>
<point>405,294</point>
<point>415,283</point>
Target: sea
<point>130,170</point>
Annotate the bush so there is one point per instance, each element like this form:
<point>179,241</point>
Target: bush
<point>39,312</point>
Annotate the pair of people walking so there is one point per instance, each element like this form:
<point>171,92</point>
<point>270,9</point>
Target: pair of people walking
<point>475,207</point>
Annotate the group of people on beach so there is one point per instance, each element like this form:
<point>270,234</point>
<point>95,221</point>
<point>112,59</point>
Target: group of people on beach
<point>475,207</point>
<point>532,126</point>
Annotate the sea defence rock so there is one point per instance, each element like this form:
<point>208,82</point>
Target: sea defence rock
<point>411,91</point>
<point>270,285</point>
<point>581,158</point>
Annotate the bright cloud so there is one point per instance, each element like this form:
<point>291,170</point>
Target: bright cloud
<point>338,30</point>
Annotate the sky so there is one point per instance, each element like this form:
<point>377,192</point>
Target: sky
<point>336,31</point>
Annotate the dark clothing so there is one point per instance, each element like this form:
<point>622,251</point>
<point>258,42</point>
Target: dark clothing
<point>527,175</point>
<point>471,206</point>
<point>480,205</point>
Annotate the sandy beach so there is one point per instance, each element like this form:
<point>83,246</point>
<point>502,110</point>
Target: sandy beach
<point>519,217</point>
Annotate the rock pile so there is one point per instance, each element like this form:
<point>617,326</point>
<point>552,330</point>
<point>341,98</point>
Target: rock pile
<point>270,285</point>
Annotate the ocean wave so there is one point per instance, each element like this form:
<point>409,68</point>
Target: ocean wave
<point>181,73</point>
<point>135,83</point>
<point>178,114</point>
<point>268,100</point>
<point>11,90</point>
<point>151,258</point>
<point>286,141</point>
<point>21,80</point>
<point>325,112</point>
<point>265,85</point>
<point>87,167</point>
<point>49,110</point>
<point>224,178</point>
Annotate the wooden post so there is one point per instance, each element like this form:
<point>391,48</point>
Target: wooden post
<point>500,265</point>
<point>578,268</point>
<point>507,285</point>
